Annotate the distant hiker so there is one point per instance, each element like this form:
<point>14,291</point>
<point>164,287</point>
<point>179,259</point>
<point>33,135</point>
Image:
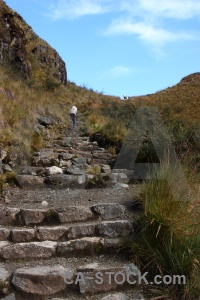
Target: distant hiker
<point>73,113</point>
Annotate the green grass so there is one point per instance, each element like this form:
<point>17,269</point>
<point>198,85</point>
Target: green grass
<point>168,242</point>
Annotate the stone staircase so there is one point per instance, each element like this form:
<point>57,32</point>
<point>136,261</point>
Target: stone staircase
<point>67,251</point>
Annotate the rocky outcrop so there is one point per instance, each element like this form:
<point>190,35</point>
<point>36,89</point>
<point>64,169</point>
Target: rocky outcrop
<point>22,48</point>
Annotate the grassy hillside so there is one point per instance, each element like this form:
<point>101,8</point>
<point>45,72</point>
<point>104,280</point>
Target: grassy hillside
<point>30,85</point>
<point>178,102</point>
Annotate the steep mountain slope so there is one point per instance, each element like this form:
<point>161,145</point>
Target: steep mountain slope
<point>25,51</point>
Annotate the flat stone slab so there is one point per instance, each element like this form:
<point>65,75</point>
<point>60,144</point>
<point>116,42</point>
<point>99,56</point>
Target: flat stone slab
<point>32,216</point>
<point>77,231</point>
<point>29,250</point>
<point>114,229</point>
<point>51,233</point>
<point>75,213</point>
<point>81,247</point>
<point>108,210</point>
<point>41,280</point>
<point>22,235</point>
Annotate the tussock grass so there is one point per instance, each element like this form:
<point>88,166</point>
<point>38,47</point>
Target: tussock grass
<point>168,241</point>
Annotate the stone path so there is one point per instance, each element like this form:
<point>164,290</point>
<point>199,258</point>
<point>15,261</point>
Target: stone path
<point>53,247</point>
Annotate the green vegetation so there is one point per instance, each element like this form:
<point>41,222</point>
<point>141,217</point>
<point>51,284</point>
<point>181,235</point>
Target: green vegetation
<point>168,241</point>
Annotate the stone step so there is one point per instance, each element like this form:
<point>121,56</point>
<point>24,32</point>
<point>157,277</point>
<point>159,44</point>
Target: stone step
<point>10,216</point>
<point>111,229</point>
<point>83,265</point>
<point>81,247</point>
<point>86,280</point>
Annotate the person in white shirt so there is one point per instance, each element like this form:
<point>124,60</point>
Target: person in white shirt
<point>73,113</point>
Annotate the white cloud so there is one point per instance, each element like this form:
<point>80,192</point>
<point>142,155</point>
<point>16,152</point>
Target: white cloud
<point>178,9</point>
<point>146,32</point>
<point>70,9</point>
<point>148,20</point>
<point>117,72</point>
<point>144,19</point>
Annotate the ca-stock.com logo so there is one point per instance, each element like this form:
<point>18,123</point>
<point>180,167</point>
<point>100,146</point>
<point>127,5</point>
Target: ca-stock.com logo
<point>128,274</point>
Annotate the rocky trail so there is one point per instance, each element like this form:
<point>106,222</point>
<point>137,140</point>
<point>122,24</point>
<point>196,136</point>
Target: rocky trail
<point>61,230</point>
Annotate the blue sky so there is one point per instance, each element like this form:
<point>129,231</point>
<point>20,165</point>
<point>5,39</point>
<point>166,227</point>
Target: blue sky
<point>120,47</point>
